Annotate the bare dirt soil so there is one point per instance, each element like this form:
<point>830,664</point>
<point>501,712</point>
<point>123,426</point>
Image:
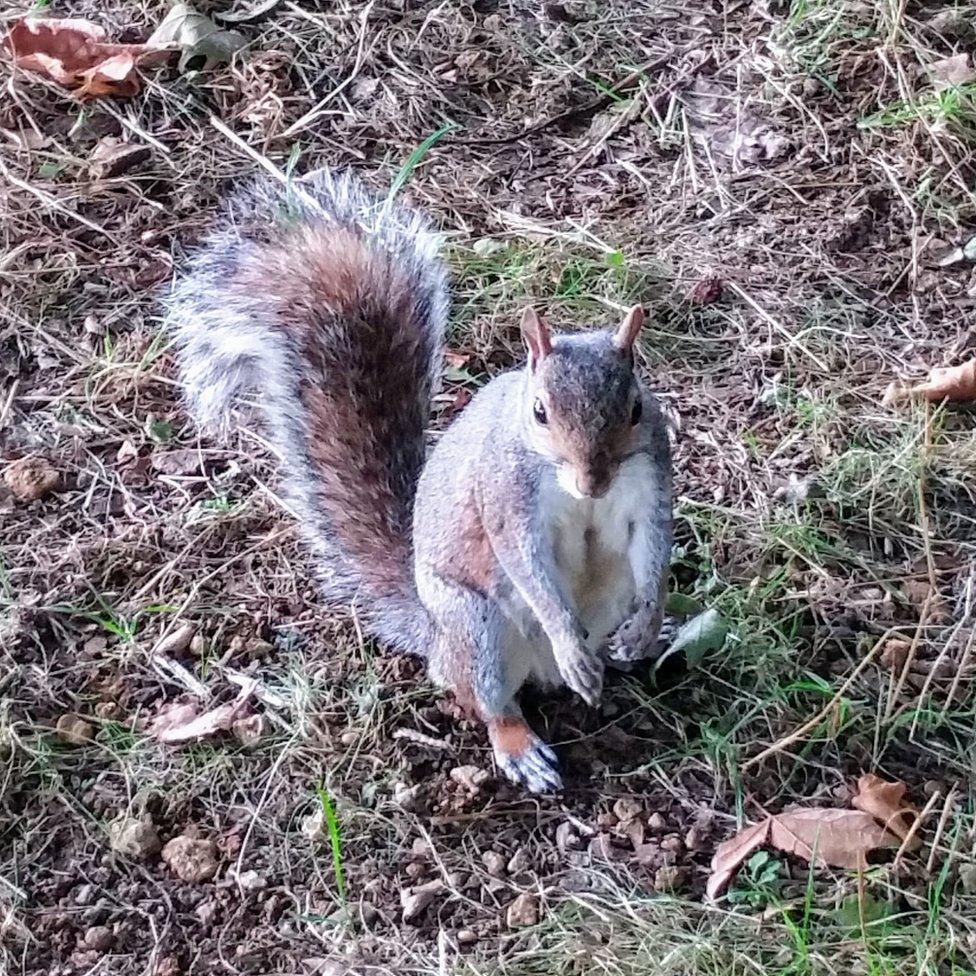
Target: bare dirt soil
<point>782,185</point>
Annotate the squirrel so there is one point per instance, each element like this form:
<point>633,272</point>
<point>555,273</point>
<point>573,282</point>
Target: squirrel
<point>532,544</point>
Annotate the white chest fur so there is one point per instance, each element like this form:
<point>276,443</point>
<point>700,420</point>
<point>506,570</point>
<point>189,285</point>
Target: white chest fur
<point>594,553</point>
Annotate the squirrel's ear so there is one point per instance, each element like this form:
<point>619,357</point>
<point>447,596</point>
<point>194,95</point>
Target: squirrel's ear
<point>536,335</point>
<point>629,329</point>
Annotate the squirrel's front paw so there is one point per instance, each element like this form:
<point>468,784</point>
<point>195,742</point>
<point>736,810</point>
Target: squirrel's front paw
<point>626,643</point>
<point>582,670</point>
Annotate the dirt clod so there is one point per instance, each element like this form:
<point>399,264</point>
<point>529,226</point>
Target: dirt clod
<point>471,778</point>
<point>98,938</point>
<point>191,859</point>
<point>494,863</point>
<point>134,837</point>
<point>31,478</point>
<point>74,730</point>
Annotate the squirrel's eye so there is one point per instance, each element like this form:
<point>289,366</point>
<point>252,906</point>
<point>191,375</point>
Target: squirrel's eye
<point>539,412</point>
<point>635,414</point>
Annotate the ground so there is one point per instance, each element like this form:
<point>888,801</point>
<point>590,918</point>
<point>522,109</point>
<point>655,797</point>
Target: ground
<point>779,184</point>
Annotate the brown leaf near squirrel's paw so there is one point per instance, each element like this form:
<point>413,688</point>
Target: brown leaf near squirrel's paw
<point>819,835</point>
<point>957,383</point>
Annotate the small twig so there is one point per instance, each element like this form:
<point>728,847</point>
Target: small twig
<point>421,739</point>
<point>916,826</point>
<point>940,828</point>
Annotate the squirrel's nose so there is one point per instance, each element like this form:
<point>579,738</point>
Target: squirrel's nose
<point>592,485</point>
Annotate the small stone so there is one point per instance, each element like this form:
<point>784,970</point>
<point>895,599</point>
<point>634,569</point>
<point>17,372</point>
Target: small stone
<point>74,730</point>
<point>252,880</point>
<point>409,798</point>
<point>191,859</point>
<point>314,826</point>
<point>519,862</point>
<point>494,863</point>
<point>177,642</point>
<point>626,808</point>
<point>134,837</point>
<point>670,878</point>
<point>672,843</point>
<point>420,847</point>
<point>415,870</point>
<point>415,901</point>
<point>471,778</point>
<point>85,894</point>
<point>108,710</point>
<point>606,820</point>
<point>693,840</point>
<point>98,938</point>
<point>467,937</point>
<point>198,646</point>
<point>30,478</point>
<point>523,912</point>
<point>206,912</point>
<point>657,823</point>
<point>967,878</point>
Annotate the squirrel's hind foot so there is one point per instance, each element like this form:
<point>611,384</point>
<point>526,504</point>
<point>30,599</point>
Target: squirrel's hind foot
<point>522,756</point>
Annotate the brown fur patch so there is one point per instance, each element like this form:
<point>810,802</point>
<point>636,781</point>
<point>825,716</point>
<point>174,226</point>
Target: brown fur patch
<point>355,313</point>
<point>510,734</point>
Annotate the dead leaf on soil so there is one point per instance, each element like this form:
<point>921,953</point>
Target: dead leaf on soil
<point>820,835</point>
<point>957,383</point>
<point>31,478</point>
<point>182,723</point>
<point>895,654</point>
<point>706,291</point>
<point>74,53</point>
<point>952,72</point>
<point>112,157</point>
<point>197,36</point>
<point>886,802</point>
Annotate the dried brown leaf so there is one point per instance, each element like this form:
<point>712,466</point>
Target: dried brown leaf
<point>74,53</point>
<point>732,854</point>
<point>819,835</point>
<point>218,719</point>
<point>956,383</point>
<point>895,654</point>
<point>953,71</point>
<point>885,801</point>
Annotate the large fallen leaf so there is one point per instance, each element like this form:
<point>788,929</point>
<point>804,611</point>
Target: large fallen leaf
<point>74,53</point>
<point>951,383</point>
<point>820,835</point>
<point>886,802</point>
<point>197,36</point>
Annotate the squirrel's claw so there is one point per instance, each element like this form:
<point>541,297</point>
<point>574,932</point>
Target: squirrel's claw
<point>536,768</point>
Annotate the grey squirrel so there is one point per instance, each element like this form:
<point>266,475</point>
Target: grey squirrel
<point>531,545</point>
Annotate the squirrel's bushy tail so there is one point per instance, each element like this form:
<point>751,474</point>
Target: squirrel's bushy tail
<point>329,305</point>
